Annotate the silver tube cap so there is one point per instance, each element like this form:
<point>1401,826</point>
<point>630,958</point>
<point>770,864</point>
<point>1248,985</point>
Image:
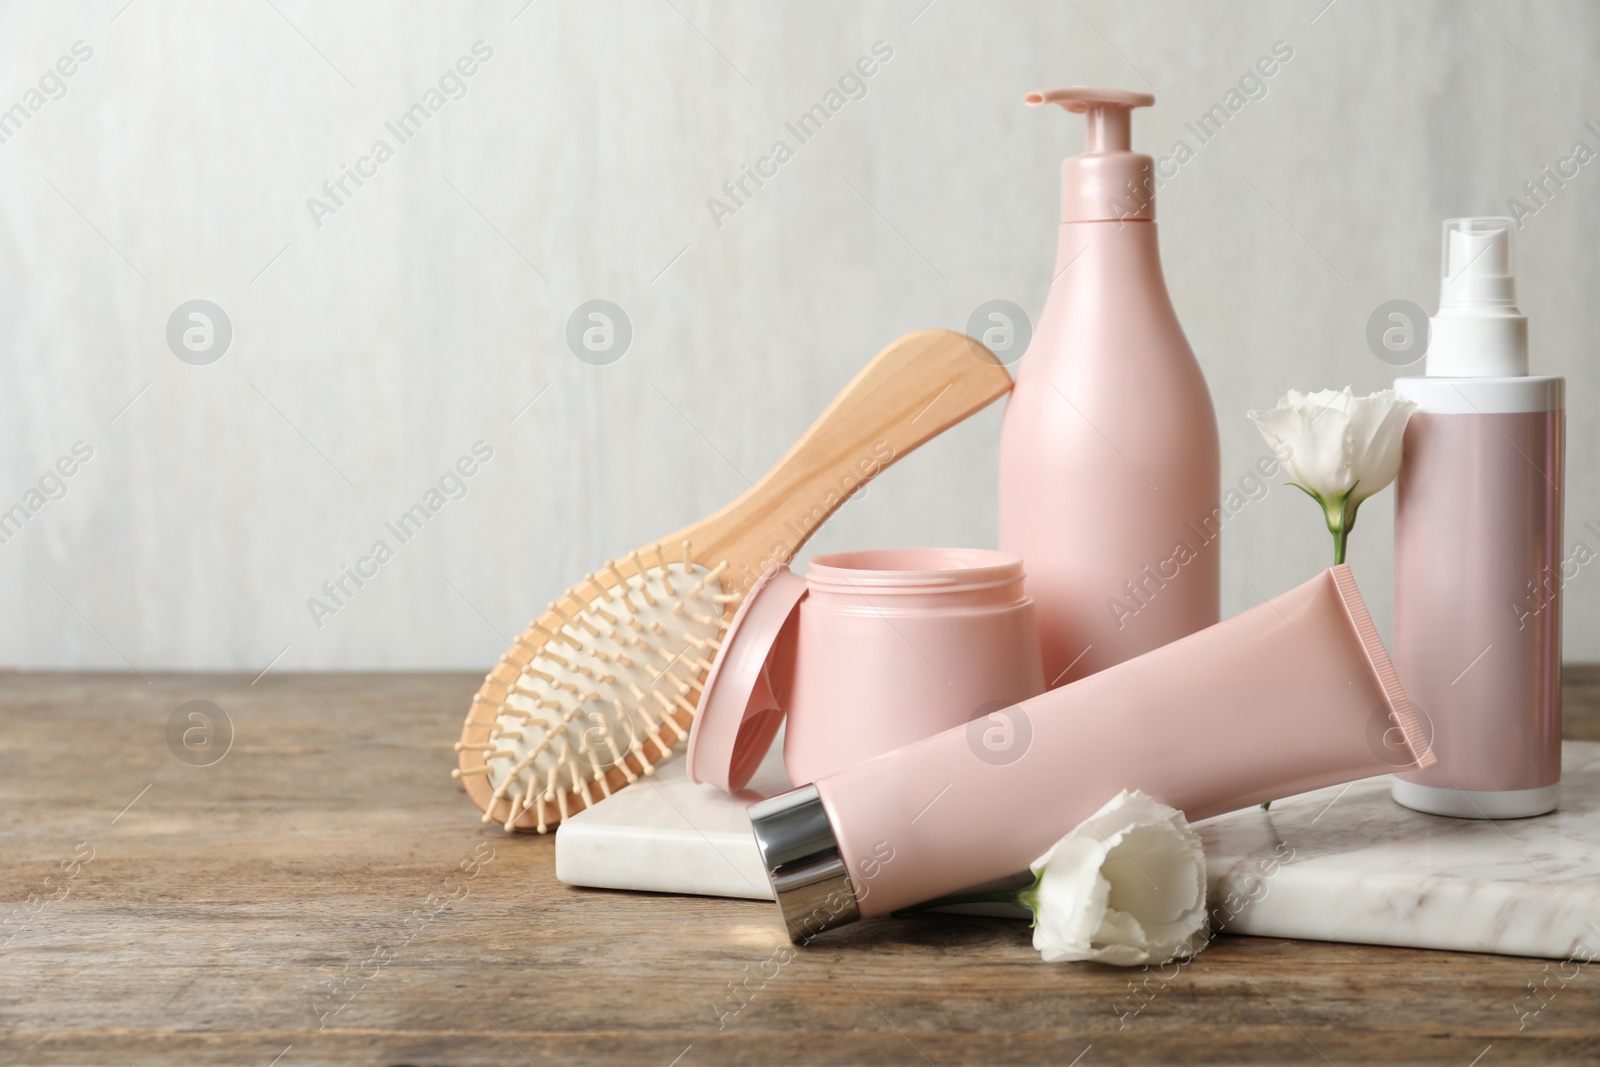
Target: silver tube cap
<point>809,876</point>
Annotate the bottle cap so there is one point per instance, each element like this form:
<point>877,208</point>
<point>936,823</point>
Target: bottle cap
<point>1108,181</point>
<point>747,689</point>
<point>810,879</point>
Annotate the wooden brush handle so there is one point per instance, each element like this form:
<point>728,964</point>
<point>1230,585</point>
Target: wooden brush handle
<point>919,386</point>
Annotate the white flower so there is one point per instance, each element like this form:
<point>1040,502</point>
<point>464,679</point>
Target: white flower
<point>1339,448</point>
<point>1127,886</point>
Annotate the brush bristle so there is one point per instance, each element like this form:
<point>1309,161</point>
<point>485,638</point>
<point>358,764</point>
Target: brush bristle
<point>602,693</point>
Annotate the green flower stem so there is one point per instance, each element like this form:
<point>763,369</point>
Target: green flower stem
<point>1339,514</point>
<point>1342,523</point>
<point>1026,897</point>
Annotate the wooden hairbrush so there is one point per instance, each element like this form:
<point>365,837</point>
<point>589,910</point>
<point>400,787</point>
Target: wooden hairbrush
<point>602,687</point>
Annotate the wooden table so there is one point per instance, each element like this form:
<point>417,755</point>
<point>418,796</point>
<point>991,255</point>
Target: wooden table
<point>324,893</point>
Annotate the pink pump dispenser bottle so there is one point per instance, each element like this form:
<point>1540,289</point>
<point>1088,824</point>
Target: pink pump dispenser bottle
<point>1109,470</point>
<point>1477,546</point>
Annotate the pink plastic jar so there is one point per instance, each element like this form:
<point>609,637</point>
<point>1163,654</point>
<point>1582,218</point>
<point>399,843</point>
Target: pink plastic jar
<point>896,645</point>
<point>869,652</point>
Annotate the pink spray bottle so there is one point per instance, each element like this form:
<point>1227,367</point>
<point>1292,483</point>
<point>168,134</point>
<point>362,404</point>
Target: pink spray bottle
<point>1109,479</point>
<point>1477,545</point>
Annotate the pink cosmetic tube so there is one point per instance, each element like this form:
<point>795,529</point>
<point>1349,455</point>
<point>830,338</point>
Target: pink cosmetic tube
<point>1294,694</point>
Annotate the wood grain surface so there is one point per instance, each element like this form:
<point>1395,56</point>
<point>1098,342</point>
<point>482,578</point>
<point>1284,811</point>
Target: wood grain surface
<point>323,893</point>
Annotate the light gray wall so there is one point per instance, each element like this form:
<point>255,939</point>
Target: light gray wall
<point>424,315</point>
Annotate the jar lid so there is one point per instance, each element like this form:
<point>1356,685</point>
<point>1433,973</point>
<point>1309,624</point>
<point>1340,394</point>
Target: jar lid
<point>748,686</point>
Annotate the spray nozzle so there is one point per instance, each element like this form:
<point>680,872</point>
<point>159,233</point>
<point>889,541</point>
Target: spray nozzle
<point>1108,112</point>
<point>1478,333</point>
<point>1477,264</point>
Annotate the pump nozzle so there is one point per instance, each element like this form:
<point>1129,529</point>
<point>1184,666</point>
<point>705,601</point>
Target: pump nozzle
<point>1109,111</point>
<point>1108,181</point>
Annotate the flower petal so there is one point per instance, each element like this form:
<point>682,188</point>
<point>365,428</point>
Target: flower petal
<point>1307,432</point>
<point>1377,428</point>
<point>1071,901</point>
<point>1127,886</point>
<point>1338,443</point>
